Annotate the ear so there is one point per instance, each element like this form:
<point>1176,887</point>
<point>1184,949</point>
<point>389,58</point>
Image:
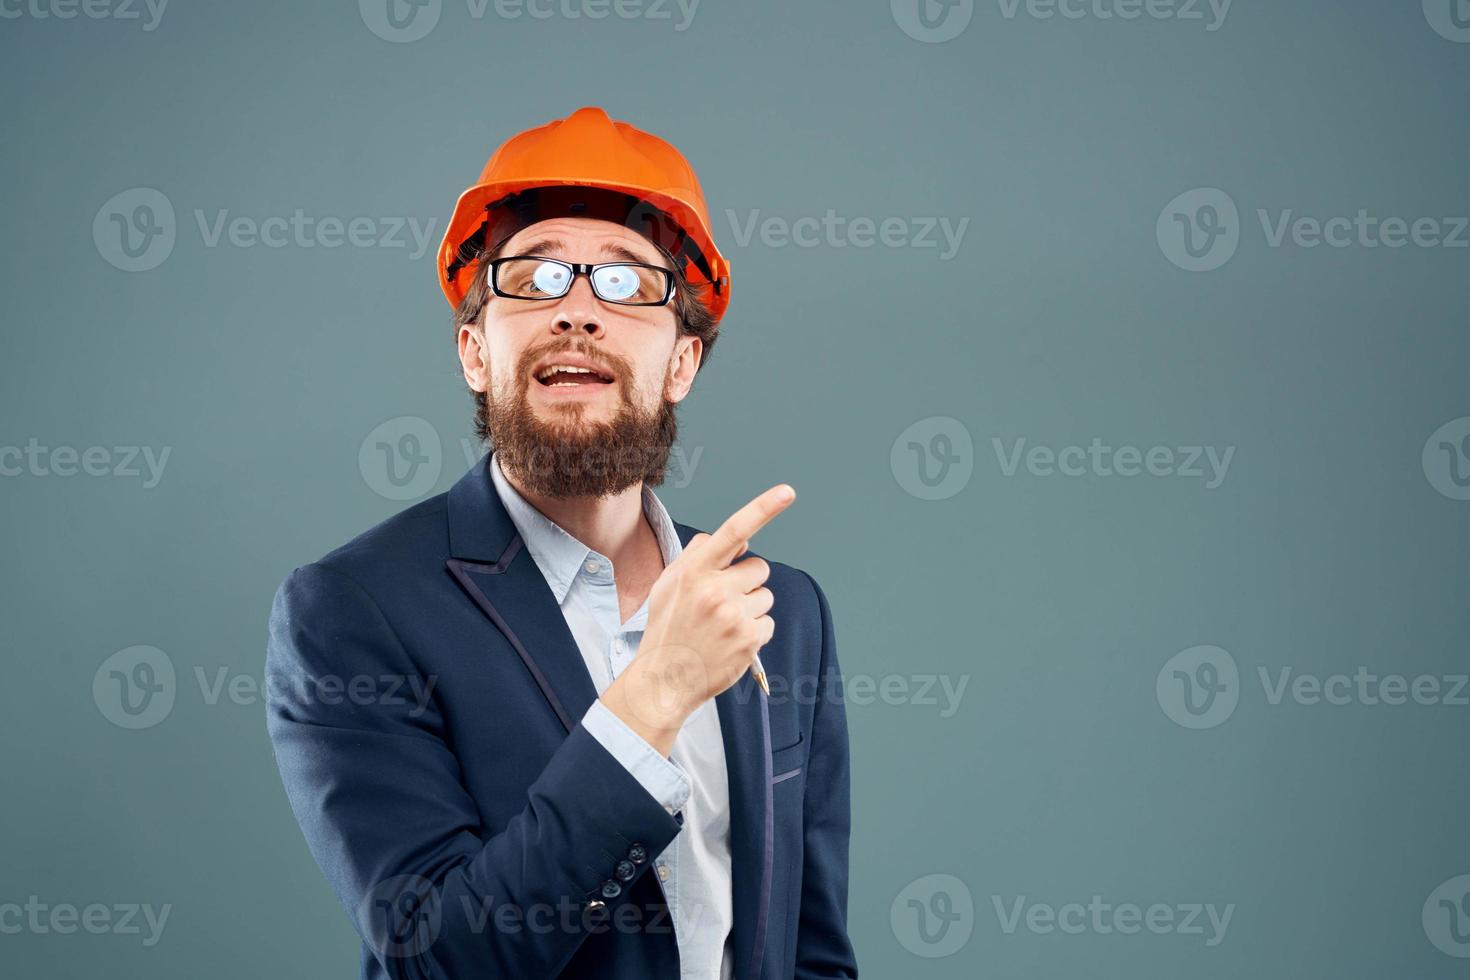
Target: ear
<point>683,366</point>
<point>474,359</point>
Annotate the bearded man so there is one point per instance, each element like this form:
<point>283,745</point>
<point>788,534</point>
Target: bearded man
<point>630,757</point>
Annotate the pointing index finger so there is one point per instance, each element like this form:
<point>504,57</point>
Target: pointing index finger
<point>726,544</point>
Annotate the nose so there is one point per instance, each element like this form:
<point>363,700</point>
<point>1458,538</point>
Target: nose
<point>576,313</point>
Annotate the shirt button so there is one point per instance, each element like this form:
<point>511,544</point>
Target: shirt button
<point>663,872</point>
<point>592,566</point>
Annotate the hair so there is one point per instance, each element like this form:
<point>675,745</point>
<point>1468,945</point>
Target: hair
<point>692,317</point>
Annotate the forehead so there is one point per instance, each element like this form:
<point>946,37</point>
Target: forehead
<point>582,240</point>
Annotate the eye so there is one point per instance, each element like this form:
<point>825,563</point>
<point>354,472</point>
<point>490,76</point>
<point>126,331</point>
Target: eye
<point>617,281</point>
<point>550,278</point>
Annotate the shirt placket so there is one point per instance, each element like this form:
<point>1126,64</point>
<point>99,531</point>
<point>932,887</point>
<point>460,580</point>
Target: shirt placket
<point>618,653</point>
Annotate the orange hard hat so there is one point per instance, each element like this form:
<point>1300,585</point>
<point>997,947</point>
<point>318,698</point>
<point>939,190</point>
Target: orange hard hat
<point>587,164</point>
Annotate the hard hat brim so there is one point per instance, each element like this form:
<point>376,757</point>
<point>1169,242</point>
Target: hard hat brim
<point>470,213</point>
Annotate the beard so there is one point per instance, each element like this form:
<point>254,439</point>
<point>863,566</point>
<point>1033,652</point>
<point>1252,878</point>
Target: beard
<point>570,456</point>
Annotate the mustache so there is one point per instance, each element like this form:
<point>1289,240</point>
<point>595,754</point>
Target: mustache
<point>610,364</point>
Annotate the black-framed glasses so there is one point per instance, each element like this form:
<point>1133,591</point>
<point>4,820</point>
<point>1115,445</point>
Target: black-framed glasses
<point>538,277</point>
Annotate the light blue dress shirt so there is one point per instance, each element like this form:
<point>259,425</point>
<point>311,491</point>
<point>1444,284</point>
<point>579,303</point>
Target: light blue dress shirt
<point>694,871</point>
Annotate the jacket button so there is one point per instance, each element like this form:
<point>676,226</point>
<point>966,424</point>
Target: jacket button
<point>596,905</point>
<point>625,871</point>
<point>611,889</point>
<point>637,854</point>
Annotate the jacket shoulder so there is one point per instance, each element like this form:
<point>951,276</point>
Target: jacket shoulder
<point>415,536</point>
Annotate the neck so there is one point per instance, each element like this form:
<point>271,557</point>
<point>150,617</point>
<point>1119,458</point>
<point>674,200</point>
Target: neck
<point>613,526</point>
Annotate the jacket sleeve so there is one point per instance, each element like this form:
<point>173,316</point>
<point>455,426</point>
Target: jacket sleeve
<point>377,792</point>
<point>823,949</point>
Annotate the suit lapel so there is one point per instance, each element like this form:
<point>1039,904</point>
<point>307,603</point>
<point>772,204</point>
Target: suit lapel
<point>491,564</point>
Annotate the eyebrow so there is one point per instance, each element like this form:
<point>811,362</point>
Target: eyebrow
<point>554,245</point>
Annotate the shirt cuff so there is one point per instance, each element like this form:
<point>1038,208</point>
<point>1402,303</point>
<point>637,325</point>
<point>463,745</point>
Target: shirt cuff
<point>664,780</point>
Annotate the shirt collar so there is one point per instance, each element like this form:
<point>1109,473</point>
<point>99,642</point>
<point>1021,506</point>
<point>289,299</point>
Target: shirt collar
<point>557,553</point>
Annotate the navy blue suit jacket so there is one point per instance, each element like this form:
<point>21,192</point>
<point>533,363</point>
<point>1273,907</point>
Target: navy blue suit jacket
<point>481,831</point>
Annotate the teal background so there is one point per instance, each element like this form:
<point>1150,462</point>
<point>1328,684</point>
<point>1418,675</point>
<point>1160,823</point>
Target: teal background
<point>1058,600</point>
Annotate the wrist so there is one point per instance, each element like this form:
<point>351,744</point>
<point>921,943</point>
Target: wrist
<point>647,698</point>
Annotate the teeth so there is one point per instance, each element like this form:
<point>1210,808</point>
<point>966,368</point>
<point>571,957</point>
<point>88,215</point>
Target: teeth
<point>570,369</point>
<point>545,372</point>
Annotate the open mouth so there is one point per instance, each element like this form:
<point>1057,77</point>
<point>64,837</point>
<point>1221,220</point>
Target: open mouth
<point>570,375</point>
